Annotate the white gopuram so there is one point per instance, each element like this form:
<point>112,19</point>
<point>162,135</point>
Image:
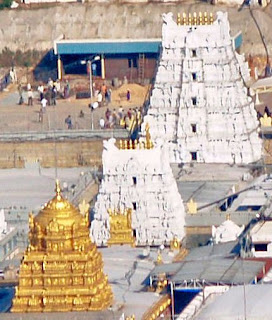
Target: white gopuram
<point>138,176</point>
<point>199,104</point>
<point>227,231</point>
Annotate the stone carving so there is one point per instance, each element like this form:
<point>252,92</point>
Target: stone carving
<point>142,180</point>
<point>199,105</point>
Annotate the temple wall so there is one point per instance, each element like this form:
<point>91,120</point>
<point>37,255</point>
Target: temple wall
<point>69,153</point>
<point>36,28</point>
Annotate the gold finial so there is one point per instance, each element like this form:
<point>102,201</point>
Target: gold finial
<point>120,144</point>
<point>130,144</point>
<point>190,19</point>
<point>211,18</point>
<point>179,19</point>
<point>205,18</point>
<point>200,18</point>
<point>184,18</point>
<point>195,18</point>
<point>58,190</point>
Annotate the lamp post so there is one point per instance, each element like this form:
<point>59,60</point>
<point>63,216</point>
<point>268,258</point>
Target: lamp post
<point>89,63</point>
<point>96,58</point>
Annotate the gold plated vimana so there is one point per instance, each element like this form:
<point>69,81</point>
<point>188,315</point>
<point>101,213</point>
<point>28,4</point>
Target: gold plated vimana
<point>61,269</point>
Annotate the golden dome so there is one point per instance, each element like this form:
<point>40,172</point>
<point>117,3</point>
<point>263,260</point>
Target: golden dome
<point>58,209</point>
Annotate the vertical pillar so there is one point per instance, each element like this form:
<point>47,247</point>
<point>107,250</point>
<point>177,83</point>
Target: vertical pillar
<point>103,73</point>
<point>59,68</point>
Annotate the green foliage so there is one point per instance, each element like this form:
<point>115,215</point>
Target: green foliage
<point>5,4</point>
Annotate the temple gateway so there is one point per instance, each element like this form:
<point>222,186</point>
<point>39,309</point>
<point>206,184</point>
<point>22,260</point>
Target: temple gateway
<point>199,104</point>
<point>61,269</point>
<point>138,196</point>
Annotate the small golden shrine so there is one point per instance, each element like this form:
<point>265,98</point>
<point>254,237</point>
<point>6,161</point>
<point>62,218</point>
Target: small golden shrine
<point>120,227</point>
<point>192,206</point>
<point>61,269</point>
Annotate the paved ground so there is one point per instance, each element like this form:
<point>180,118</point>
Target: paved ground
<point>18,118</point>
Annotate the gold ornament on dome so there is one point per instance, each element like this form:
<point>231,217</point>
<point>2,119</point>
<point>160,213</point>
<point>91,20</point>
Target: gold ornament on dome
<point>61,269</point>
<point>120,227</point>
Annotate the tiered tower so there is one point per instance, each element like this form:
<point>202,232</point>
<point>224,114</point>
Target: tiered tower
<point>137,175</point>
<point>199,104</point>
<point>61,269</point>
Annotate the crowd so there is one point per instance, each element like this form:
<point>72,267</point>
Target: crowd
<point>121,118</point>
<point>47,94</point>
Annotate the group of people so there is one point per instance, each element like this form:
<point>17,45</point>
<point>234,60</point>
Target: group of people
<point>121,118</point>
<point>47,93</point>
<point>102,95</point>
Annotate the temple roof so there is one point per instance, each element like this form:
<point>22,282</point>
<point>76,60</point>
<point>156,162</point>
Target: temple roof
<point>58,209</point>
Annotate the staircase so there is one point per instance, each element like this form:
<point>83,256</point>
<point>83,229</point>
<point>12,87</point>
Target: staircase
<point>141,68</point>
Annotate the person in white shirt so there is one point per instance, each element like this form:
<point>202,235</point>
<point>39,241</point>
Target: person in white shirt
<point>44,104</point>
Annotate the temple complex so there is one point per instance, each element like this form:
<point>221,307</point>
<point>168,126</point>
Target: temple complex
<point>137,180</point>
<point>61,269</point>
<point>199,104</point>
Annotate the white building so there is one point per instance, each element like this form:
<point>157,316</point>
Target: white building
<point>139,177</point>
<point>261,239</point>
<point>199,104</point>
<point>227,231</point>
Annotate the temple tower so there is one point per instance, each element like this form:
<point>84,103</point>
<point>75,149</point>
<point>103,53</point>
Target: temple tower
<point>137,176</point>
<point>61,269</point>
<point>199,104</point>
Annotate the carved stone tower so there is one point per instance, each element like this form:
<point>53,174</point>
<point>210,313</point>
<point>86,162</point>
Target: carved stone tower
<point>61,269</point>
<point>137,176</point>
<point>199,105</point>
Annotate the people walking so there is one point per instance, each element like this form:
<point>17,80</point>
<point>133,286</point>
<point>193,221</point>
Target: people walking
<point>68,121</point>
<point>30,97</point>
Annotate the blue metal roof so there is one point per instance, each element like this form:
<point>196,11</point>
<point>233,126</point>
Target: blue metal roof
<point>118,47</point>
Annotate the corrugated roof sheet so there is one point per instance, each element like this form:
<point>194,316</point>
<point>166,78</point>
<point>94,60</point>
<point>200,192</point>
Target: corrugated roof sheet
<point>107,46</point>
<point>226,271</point>
<point>231,305</point>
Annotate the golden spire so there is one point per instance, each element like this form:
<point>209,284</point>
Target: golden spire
<point>58,190</point>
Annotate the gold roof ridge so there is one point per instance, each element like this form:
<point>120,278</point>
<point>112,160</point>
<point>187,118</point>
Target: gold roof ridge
<point>195,19</point>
